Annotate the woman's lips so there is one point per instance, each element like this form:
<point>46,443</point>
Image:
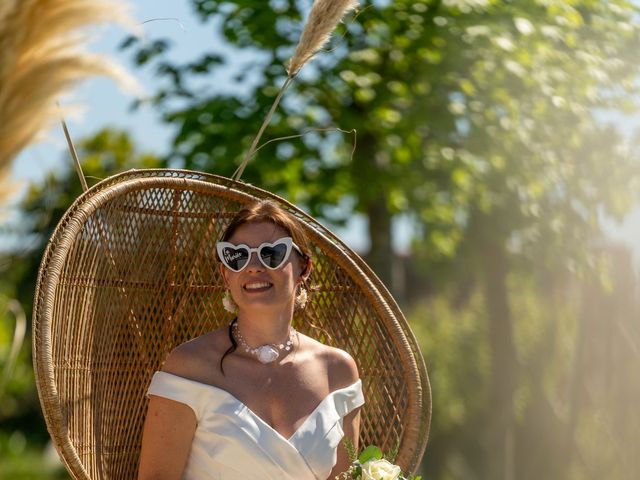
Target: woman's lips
<point>257,286</point>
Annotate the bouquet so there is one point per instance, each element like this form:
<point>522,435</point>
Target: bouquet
<point>372,464</point>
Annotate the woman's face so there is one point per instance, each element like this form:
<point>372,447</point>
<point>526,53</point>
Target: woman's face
<point>257,286</point>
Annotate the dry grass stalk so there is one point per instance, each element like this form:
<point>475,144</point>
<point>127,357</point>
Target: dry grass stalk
<point>41,59</point>
<point>324,16</point>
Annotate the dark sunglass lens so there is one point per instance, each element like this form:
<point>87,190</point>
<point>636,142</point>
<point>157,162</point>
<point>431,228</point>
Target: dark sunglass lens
<point>235,258</point>
<point>273,256</point>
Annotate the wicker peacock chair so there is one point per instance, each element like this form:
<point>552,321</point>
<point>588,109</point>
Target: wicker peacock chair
<point>130,273</point>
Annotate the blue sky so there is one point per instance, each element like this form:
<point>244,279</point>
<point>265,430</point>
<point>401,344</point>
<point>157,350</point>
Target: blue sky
<point>105,105</point>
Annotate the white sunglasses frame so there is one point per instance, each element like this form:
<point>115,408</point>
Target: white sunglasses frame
<point>288,241</point>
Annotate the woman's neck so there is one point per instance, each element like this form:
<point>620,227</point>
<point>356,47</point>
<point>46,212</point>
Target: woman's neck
<point>261,328</point>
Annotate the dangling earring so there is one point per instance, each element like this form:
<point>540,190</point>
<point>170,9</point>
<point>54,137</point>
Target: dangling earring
<point>302,297</point>
<point>228,303</point>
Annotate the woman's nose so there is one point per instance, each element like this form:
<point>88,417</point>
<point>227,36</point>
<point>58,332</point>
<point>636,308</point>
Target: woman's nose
<point>254,263</point>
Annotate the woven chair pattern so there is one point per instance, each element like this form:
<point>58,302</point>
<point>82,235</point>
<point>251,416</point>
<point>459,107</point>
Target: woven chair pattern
<point>130,273</point>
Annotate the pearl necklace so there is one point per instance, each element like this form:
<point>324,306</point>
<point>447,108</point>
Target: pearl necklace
<point>265,353</point>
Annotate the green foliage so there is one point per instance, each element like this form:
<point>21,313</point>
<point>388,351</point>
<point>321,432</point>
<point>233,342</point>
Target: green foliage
<point>453,341</point>
<point>391,455</point>
<point>572,396</point>
<point>352,454</point>
<point>22,460</point>
<point>464,111</point>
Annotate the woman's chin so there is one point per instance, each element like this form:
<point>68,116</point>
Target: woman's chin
<point>263,302</point>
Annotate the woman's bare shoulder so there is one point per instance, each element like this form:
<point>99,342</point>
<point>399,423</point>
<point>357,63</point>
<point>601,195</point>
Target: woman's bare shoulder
<point>342,369</point>
<point>194,358</point>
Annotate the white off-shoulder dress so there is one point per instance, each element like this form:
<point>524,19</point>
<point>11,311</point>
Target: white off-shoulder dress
<point>233,443</point>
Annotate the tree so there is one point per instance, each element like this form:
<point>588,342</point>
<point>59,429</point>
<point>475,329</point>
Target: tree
<point>482,120</point>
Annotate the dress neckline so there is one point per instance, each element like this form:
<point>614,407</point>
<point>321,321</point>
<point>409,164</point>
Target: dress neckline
<point>258,417</point>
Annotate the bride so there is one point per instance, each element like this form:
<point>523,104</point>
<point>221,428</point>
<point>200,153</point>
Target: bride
<point>256,399</point>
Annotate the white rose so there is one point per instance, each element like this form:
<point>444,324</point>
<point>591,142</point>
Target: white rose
<point>380,470</point>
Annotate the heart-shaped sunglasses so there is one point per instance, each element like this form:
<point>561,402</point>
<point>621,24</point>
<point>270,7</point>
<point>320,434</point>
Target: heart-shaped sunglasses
<point>271,255</point>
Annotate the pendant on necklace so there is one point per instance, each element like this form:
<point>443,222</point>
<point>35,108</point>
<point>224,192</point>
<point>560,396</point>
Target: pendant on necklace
<point>267,353</point>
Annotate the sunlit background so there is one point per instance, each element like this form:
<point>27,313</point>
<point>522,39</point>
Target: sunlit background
<point>494,189</point>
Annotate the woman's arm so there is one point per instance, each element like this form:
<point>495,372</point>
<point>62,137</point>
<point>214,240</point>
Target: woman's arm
<point>351,427</point>
<point>166,439</point>
<point>169,427</point>
<point>343,372</point>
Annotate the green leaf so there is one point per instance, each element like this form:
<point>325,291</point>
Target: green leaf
<point>370,453</point>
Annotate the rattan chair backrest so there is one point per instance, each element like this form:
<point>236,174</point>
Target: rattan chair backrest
<point>130,273</point>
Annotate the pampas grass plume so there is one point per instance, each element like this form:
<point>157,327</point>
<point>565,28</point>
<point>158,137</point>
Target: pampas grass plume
<point>41,59</point>
<point>323,18</point>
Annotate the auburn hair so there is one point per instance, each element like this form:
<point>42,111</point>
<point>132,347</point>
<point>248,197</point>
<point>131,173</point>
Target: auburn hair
<point>265,211</point>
